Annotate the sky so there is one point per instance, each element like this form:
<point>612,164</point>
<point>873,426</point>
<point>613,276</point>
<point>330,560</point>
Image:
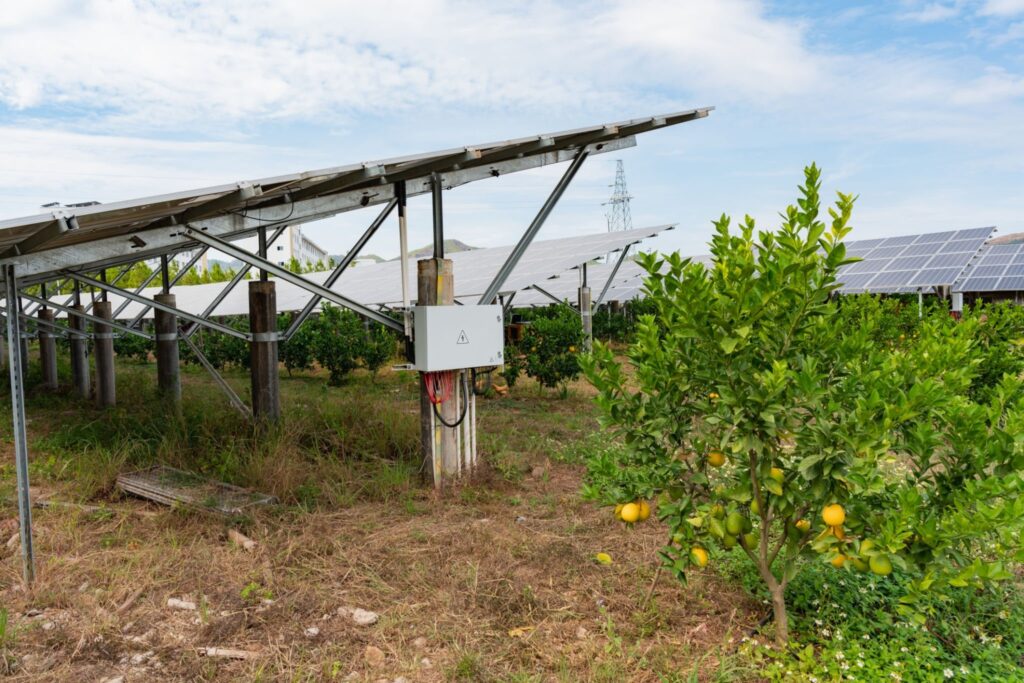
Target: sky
<point>915,106</point>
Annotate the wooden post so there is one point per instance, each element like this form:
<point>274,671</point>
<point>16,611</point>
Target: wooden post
<point>106,393</point>
<point>79,353</point>
<point>266,396</point>
<point>48,349</point>
<point>435,286</point>
<point>167,366</point>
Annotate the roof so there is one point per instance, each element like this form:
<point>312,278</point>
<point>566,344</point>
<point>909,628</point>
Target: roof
<point>379,284</point>
<point>89,237</point>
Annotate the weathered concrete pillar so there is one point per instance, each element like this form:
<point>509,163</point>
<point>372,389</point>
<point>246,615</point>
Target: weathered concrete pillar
<point>435,286</point>
<point>587,316</point>
<point>79,353</point>
<point>47,348</point>
<point>106,393</point>
<point>168,378</point>
<point>266,395</point>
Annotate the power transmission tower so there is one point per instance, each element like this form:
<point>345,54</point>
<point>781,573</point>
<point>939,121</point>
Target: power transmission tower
<point>618,214</point>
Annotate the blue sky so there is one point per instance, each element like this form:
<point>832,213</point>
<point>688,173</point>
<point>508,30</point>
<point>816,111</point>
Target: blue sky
<point>917,107</point>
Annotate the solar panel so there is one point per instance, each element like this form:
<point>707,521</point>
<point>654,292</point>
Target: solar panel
<point>997,268</point>
<point>379,284</point>
<point>910,263</point>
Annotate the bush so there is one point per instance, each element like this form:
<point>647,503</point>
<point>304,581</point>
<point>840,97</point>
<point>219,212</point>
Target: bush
<point>297,352</point>
<point>764,424</point>
<point>551,347</point>
<point>378,347</point>
<point>133,346</point>
<point>337,342</point>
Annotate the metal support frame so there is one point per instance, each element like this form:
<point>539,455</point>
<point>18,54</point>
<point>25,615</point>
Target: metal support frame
<point>182,272</point>
<point>170,309</point>
<point>611,276</point>
<point>288,276</point>
<point>438,214</point>
<point>263,251</point>
<point>524,242</point>
<point>233,398</point>
<point>403,245</point>
<point>59,329</point>
<point>346,261</point>
<point>551,296</point>
<point>20,436</point>
<point>239,276</point>
<point>91,318</point>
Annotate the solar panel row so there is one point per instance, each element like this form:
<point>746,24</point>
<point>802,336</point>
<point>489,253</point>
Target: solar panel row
<point>910,263</point>
<point>997,268</point>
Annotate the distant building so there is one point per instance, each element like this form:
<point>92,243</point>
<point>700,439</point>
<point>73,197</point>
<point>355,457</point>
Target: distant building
<point>291,244</point>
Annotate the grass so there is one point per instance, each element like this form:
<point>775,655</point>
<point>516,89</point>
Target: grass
<point>356,527</point>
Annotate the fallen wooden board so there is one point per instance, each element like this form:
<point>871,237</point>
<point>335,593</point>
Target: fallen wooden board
<point>173,487</point>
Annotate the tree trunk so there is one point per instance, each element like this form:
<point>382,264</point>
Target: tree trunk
<point>781,618</point>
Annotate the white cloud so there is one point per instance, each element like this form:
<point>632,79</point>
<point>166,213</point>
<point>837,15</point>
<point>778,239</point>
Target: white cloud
<point>933,12</point>
<point>161,63</point>
<point>1002,8</point>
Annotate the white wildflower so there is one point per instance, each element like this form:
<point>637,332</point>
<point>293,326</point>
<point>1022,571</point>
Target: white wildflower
<point>948,673</point>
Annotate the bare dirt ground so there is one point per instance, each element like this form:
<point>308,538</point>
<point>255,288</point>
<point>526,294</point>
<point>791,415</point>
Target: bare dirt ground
<point>490,581</point>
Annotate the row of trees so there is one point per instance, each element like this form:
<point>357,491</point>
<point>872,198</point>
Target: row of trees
<point>336,339</point>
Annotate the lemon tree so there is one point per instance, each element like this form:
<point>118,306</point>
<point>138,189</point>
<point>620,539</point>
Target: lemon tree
<point>760,421</point>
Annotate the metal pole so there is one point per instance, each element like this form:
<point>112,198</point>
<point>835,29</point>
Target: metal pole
<point>435,191</point>
<point>531,232</point>
<point>20,437</point>
<point>263,251</point>
<point>174,280</point>
<point>611,276</point>
<point>165,280</point>
<point>403,245</point>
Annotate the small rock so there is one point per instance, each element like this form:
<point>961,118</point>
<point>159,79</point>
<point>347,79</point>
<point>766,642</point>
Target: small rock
<point>520,519</point>
<point>175,603</point>
<point>84,587</point>
<point>353,676</point>
<point>537,472</point>
<point>113,679</point>
<point>33,612</point>
<point>141,658</point>
<point>48,626</point>
<point>373,655</point>
<point>419,643</point>
<point>426,663</point>
<point>364,617</point>
<point>401,679</point>
<point>312,632</point>
<point>582,633</point>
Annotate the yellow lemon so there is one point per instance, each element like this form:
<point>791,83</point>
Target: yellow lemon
<point>645,510</point>
<point>834,515</point>
<point>699,556</point>
<point>716,458</point>
<point>630,512</point>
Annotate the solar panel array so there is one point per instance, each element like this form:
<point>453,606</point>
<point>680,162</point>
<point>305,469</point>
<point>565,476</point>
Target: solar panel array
<point>380,285</point>
<point>998,268</point>
<point>910,263</point>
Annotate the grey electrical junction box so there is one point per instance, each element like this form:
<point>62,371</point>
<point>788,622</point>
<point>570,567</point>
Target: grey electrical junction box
<point>456,337</point>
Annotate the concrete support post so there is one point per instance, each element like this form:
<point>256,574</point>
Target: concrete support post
<point>106,393</point>
<point>266,395</point>
<point>80,354</point>
<point>587,316</point>
<point>167,366</point>
<point>435,286</point>
<point>48,348</point>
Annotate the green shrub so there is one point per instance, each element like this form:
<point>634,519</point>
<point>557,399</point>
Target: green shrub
<point>337,342</point>
<point>752,410</point>
<point>551,347</point>
<point>379,345</point>
<point>297,352</point>
<point>133,346</point>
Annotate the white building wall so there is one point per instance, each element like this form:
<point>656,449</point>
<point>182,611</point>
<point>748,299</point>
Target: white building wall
<point>290,244</point>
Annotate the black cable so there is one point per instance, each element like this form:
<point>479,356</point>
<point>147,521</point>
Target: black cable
<point>243,214</point>
<point>465,406</point>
